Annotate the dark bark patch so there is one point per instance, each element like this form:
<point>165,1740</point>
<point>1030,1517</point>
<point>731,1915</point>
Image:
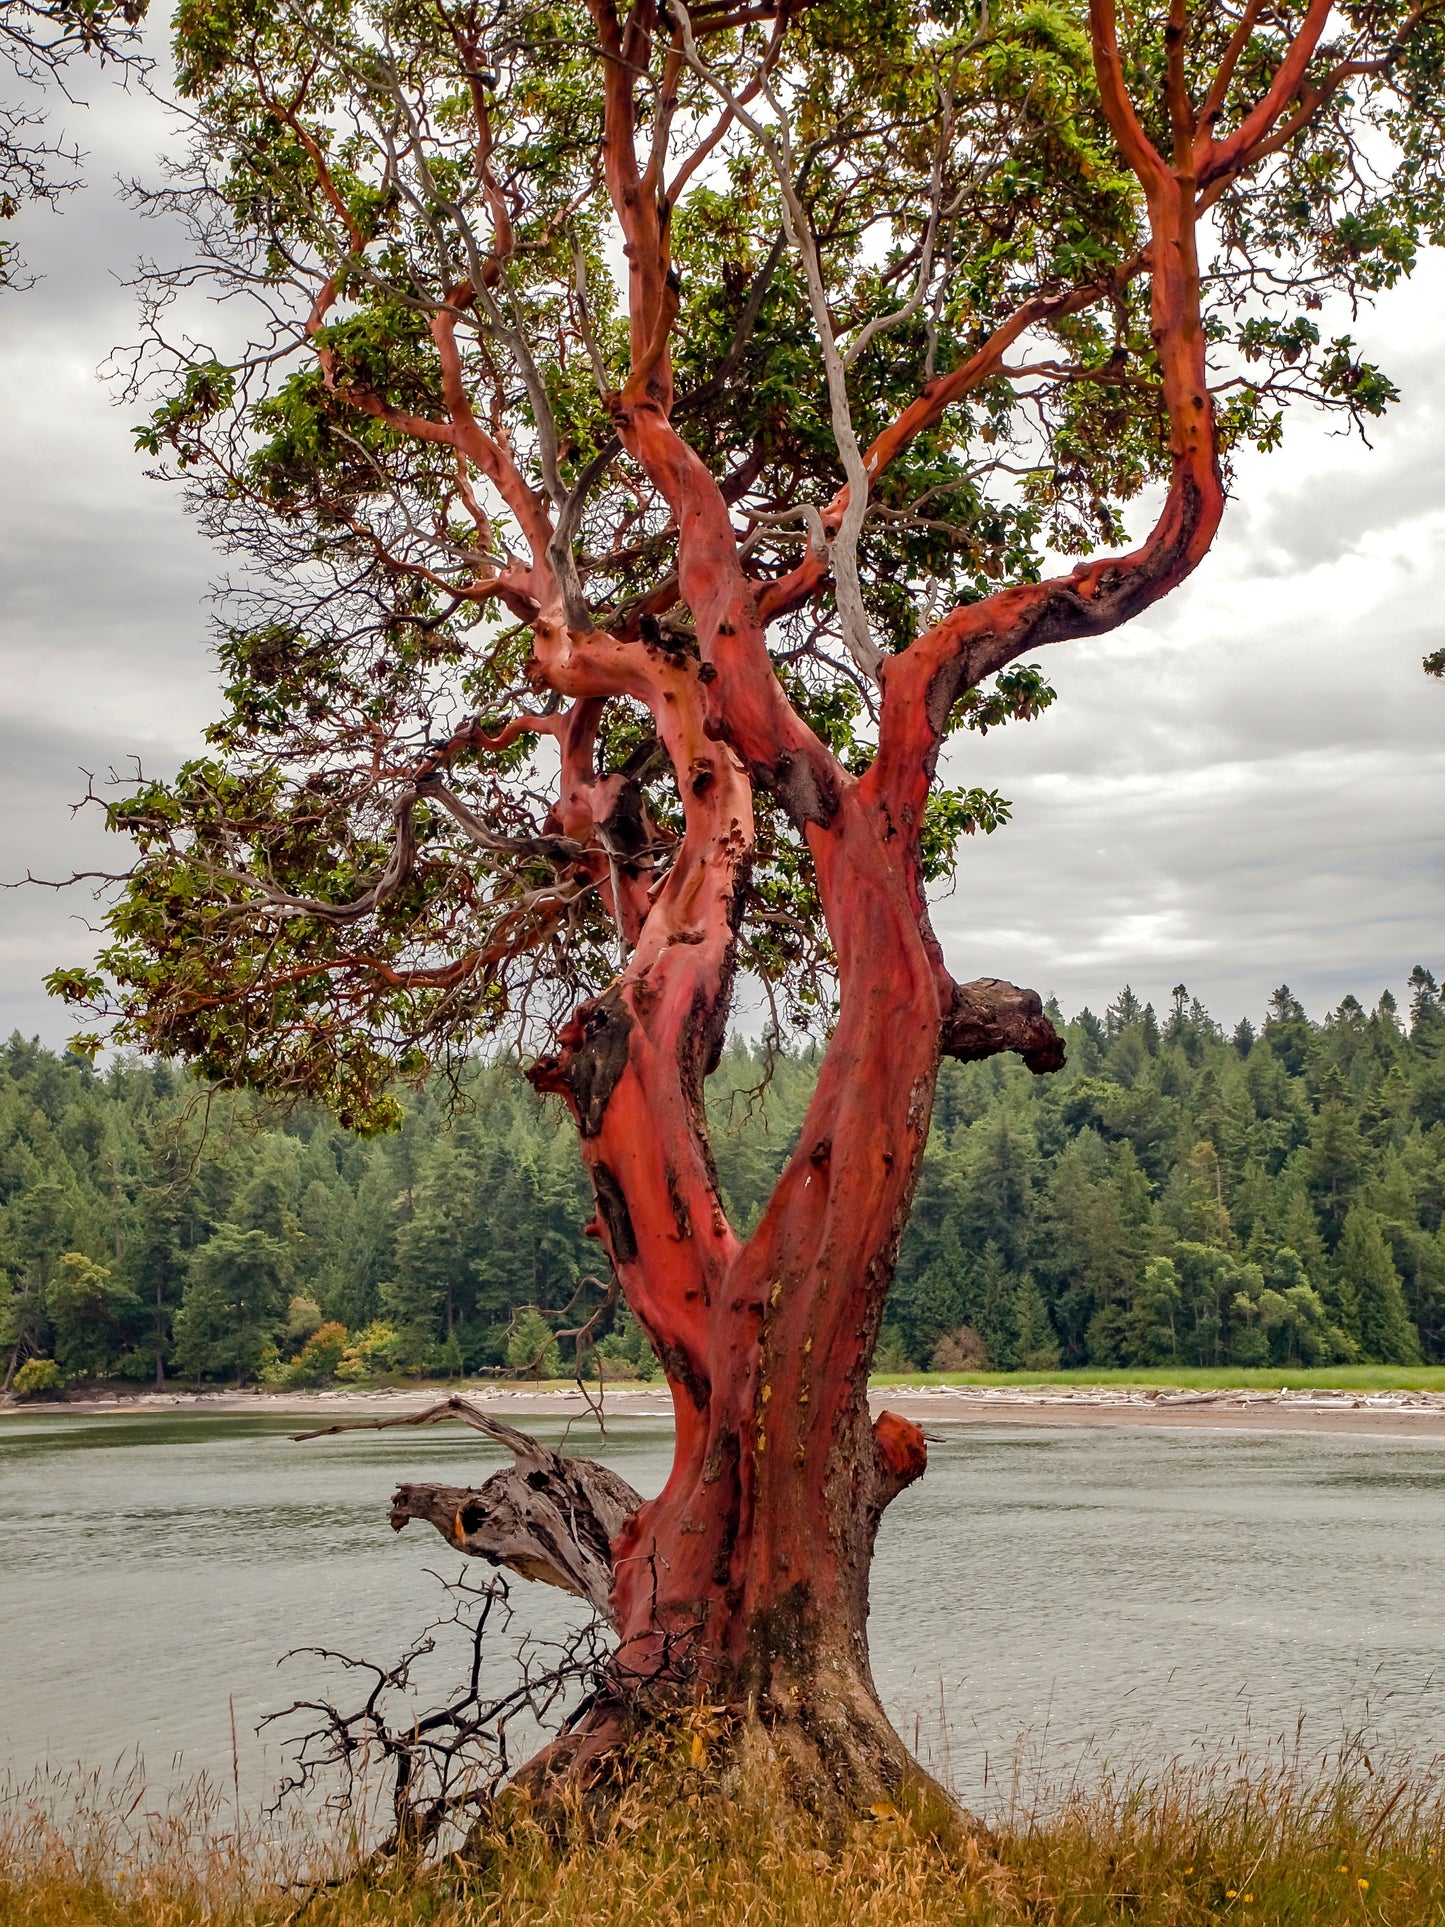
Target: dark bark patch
<point>626,830</point>
<point>680,1368</point>
<point>724,1457</point>
<point>596,1043</point>
<point>808,794</point>
<point>720,1471</point>
<point>612,1210</point>
<point>681,1216</point>
<point>1191,512</point>
<point>783,1639</point>
<point>948,684</point>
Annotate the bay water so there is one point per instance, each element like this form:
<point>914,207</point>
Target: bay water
<point>1045,1593</point>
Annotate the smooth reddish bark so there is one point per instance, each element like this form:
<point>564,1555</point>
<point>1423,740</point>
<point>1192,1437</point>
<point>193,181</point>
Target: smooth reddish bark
<point>747,1577</point>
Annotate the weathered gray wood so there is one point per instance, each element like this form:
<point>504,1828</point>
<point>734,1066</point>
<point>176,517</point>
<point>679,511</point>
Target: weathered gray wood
<point>543,1517</point>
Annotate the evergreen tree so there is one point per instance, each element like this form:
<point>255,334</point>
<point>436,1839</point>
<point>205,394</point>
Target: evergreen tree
<point>89,1312</point>
<point>1383,1328</point>
<point>1157,1310</point>
<point>926,1305</point>
<point>997,1188</point>
<point>1095,1198</point>
<point>532,1348</point>
<point>235,1300</point>
<point>1035,1347</point>
<point>1335,1163</point>
<point>990,1302</point>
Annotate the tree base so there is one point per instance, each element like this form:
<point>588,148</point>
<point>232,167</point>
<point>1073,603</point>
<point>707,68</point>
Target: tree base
<point>829,1756</point>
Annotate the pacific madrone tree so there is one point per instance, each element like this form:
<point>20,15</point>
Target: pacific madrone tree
<point>648,441</point>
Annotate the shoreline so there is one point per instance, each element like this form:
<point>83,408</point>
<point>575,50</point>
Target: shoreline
<point>1361,1414</point>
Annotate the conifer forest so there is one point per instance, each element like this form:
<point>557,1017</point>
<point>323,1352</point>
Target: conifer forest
<point>1178,1195</point>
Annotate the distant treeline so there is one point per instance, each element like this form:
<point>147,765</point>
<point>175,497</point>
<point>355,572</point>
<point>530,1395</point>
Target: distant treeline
<point>1175,1196</point>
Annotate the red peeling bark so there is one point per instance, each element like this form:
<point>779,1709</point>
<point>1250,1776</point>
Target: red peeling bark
<point>746,1578</point>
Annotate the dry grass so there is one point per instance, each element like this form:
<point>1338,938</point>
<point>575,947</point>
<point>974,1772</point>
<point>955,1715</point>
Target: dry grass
<point>1197,1378</point>
<point>1192,1845</point>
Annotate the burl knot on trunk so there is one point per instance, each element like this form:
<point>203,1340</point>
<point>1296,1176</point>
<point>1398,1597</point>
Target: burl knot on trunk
<point>900,1455</point>
<point>988,1016</point>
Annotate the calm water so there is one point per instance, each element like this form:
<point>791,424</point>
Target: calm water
<point>1117,1590</point>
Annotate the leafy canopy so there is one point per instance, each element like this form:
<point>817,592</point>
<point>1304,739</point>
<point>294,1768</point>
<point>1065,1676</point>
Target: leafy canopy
<point>403,209</point>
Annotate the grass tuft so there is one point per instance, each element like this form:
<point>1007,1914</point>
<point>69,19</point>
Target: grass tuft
<point>1194,1844</point>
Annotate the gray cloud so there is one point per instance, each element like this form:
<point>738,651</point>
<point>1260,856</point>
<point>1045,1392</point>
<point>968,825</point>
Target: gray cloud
<point>1244,788</point>
<point>43,777</point>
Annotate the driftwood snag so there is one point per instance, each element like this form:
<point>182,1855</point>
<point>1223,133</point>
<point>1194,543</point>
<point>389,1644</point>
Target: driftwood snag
<point>543,1517</point>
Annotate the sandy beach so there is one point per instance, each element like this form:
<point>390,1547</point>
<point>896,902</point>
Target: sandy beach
<point>1361,1414</point>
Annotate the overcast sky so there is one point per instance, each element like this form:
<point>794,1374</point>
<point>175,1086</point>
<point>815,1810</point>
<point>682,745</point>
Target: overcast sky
<point>1245,788</point>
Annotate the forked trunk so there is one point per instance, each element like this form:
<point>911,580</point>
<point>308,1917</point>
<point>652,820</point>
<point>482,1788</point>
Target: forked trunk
<point>748,1575</point>
<point>744,1584</point>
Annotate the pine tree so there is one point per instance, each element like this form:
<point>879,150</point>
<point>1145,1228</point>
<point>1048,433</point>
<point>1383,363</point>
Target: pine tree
<point>1035,1345</point>
<point>997,1189</point>
<point>1158,1304</point>
<point>932,1302</point>
<point>989,1304</point>
<point>234,1304</point>
<point>1385,1333</point>
<point>532,1348</point>
<point>1335,1164</point>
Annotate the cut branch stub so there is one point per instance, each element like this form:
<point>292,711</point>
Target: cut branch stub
<point>544,1517</point>
<point>989,1016</point>
<point>900,1455</point>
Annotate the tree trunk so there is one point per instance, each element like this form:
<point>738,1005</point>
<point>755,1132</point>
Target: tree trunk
<point>744,1583</point>
<point>747,1577</point>
<point>798,1681</point>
